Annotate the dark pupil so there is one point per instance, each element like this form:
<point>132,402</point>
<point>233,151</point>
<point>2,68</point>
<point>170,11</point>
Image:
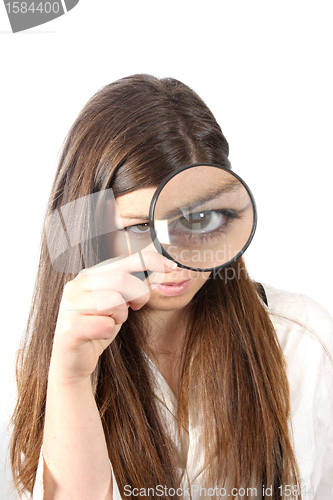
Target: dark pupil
<point>197,221</point>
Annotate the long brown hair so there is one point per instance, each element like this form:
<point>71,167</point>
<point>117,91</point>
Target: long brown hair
<point>130,135</point>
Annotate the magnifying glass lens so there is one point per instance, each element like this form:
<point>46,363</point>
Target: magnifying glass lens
<point>203,217</point>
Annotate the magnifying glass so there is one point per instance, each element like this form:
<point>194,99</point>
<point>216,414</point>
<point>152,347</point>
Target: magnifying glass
<point>203,217</point>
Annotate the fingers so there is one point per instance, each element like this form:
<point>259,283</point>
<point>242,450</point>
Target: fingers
<point>110,289</point>
<point>110,303</point>
<point>80,328</point>
<point>145,260</point>
<point>115,275</point>
<point>95,305</point>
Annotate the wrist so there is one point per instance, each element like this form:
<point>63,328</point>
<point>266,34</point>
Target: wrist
<point>60,377</point>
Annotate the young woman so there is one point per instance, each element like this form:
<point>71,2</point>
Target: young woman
<point>204,391</point>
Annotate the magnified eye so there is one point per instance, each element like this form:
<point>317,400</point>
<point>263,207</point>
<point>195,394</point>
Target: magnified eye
<point>202,227</point>
<point>203,221</point>
<point>206,221</point>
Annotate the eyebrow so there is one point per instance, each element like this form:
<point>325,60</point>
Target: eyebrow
<point>129,216</point>
<point>210,195</point>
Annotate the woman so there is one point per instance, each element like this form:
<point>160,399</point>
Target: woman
<point>180,392</point>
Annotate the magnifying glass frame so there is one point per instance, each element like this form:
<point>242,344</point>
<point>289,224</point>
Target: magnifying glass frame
<point>153,206</point>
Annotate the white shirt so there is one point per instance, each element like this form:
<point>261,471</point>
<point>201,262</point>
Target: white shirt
<point>310,375</point>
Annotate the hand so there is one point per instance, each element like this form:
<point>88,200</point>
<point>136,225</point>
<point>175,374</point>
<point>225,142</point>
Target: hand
<point>93,308</point>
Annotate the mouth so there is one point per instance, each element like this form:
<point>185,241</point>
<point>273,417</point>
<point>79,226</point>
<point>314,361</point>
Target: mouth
<point>172,288</point>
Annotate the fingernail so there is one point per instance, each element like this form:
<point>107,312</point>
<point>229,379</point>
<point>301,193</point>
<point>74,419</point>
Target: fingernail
<point>170,264</point>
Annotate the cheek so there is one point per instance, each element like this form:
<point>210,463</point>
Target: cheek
<point>116,244</point>
<point>206,275</point>
<point>202,278</point>
<point>198,281</point>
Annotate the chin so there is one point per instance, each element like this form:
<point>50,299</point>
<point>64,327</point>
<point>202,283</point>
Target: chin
<point>165,303</point>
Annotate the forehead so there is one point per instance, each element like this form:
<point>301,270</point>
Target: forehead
<point>135,204</point>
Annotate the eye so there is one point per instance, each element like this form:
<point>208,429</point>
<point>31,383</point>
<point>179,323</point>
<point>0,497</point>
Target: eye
<point>203,221</point>
<point>139,229</point>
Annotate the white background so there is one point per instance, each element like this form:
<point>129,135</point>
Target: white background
<point>263,67</point>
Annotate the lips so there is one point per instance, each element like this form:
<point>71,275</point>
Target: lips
<point>172,283</point>
<point>172,288</point>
